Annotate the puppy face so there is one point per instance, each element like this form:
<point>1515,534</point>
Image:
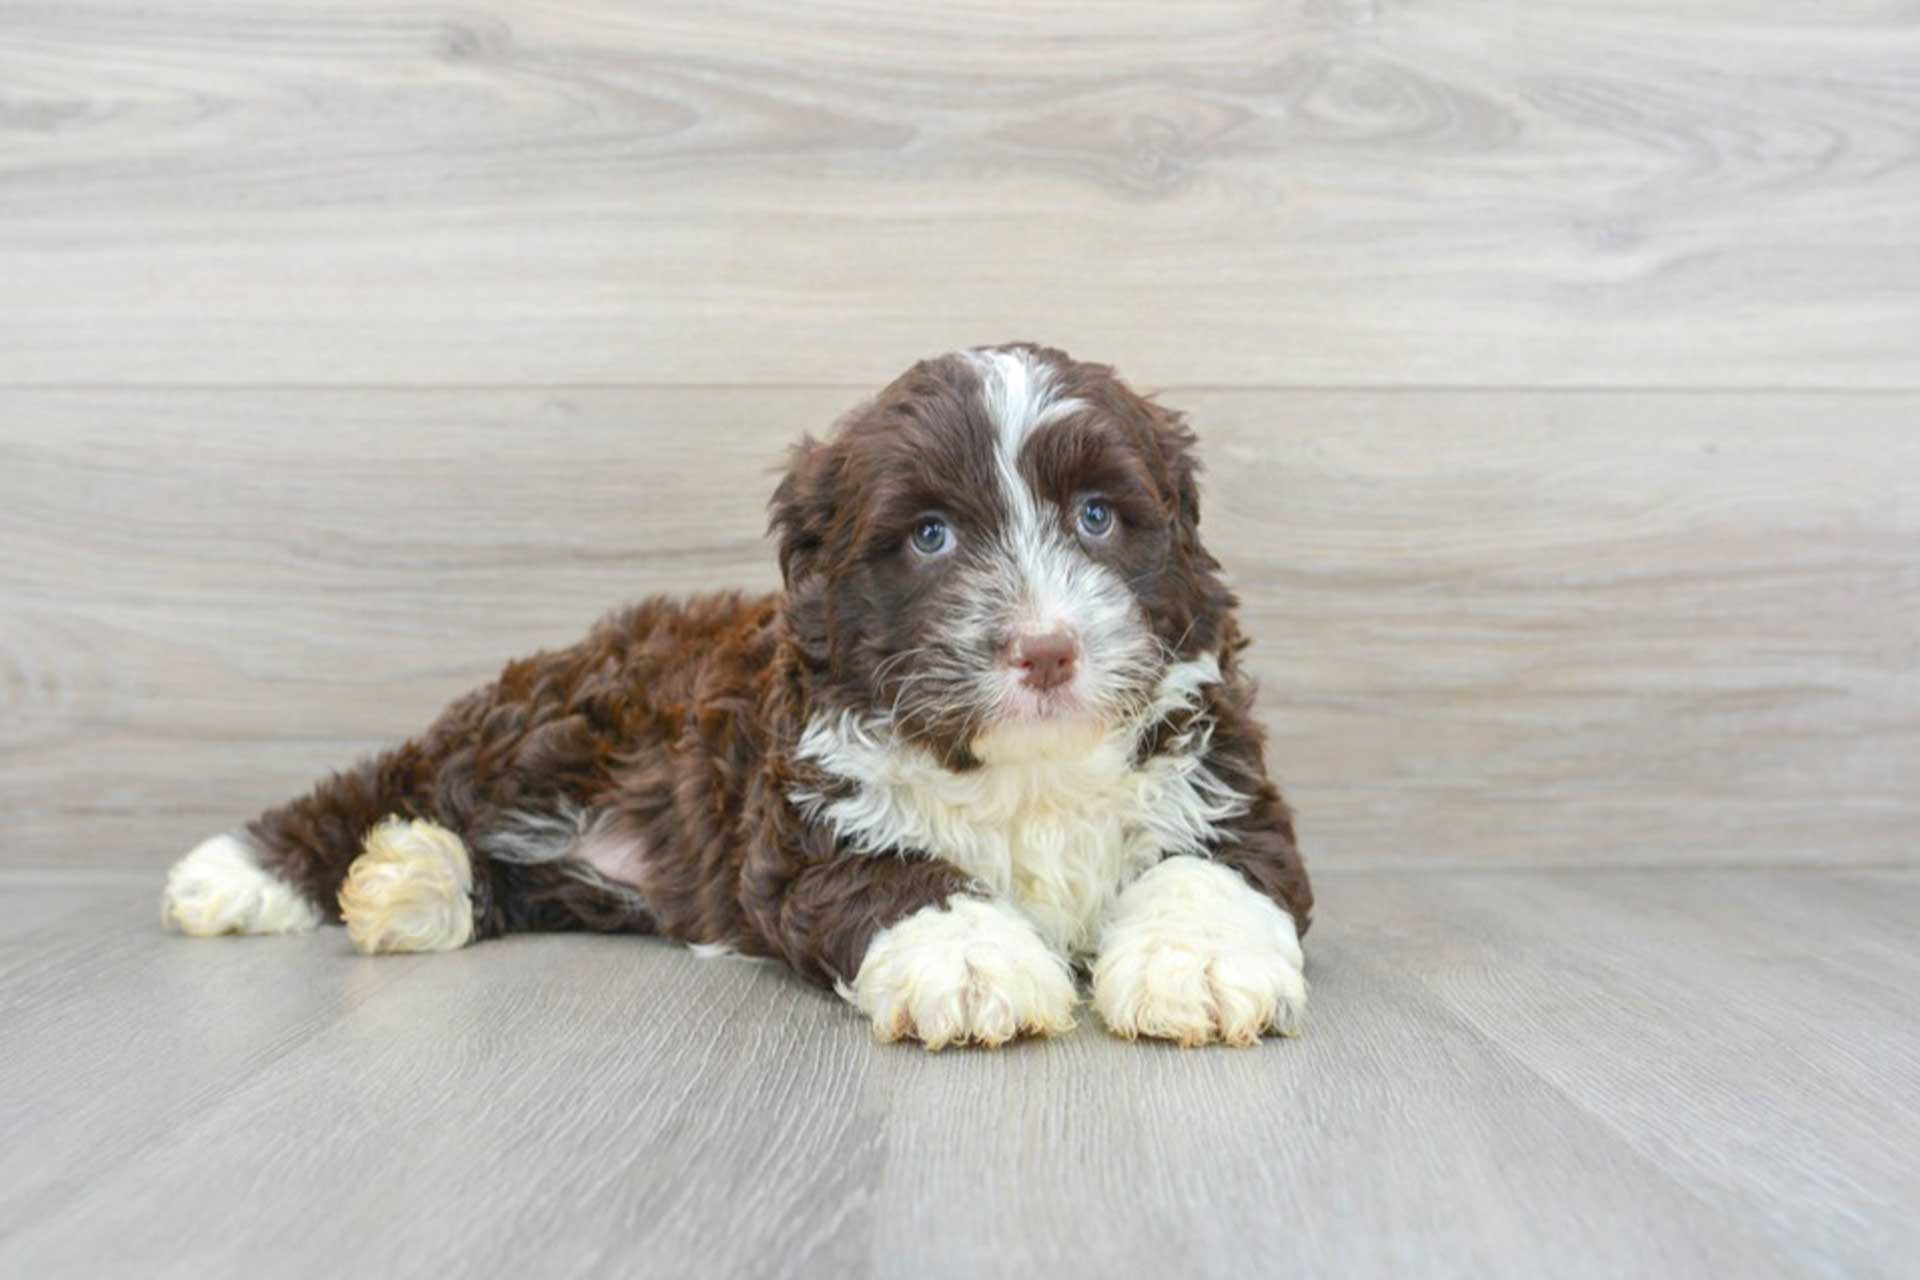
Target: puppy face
<point>1000,553</point>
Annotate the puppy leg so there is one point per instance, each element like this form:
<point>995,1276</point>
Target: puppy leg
<point>222,887</point>
<point>411,889</point>
<point>968,970</point>
<point>1204,949</point>
<point>333,854</point>
<point>1193,953</point>
<point>907,943</point>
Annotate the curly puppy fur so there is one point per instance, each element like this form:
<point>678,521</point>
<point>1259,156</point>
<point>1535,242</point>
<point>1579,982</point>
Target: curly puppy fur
<point>994,727</point>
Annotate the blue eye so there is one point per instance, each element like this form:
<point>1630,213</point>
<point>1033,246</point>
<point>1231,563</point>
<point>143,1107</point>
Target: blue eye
<point>931,536</point>
<point>1096,518</point>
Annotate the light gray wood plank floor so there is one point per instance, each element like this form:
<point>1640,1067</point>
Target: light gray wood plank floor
<point>1525,1073</point>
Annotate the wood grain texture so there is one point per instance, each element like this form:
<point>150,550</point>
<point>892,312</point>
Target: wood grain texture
<point>1230,191</point>
<point>1751,1036</point>
<point>348,348</point>
<point>1493,628</point>
<point>1575,1073</point>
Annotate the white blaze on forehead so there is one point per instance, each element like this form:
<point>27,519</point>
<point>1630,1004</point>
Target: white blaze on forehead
<point>1018,392</point>
<point>1041,578</point>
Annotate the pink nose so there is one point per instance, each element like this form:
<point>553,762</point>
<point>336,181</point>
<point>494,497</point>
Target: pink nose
<point>1045,659</point>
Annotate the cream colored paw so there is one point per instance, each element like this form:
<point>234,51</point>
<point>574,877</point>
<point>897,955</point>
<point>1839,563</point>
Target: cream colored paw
<point>409,890</point>
<point>1194,953</point>
<point>221,887</point>
<point>969,972</point>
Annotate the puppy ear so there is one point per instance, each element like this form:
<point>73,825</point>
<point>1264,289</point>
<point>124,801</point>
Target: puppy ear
<point>1177,454</point>
<point>802,508</point>
<point>1198,602</point>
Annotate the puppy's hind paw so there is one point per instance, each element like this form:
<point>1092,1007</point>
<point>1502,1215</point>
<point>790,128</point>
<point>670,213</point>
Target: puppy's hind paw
<point>409,890</point>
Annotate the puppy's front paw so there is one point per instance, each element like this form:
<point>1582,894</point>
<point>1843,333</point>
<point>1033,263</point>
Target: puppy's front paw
<point>1193,953</point>
<point>968,972</point>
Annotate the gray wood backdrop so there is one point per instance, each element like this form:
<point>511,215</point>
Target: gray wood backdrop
<point>1558,366</point>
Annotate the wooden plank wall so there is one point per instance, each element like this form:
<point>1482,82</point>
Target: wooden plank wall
<point>1558,366</point>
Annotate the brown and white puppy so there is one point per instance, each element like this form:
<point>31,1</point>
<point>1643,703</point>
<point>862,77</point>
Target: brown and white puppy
<point>995,726</point>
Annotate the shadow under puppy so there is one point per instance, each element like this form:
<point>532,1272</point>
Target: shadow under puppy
<point>995,725</point>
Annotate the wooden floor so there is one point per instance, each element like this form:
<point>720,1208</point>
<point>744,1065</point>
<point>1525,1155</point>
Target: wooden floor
<point>1557,366</point>
<point>1567,1073</point>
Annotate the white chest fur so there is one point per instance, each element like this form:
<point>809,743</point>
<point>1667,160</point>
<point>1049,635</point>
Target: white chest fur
<point>1059,832</point>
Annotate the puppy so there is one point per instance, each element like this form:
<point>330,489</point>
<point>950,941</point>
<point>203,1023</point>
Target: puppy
<point>994,727</point>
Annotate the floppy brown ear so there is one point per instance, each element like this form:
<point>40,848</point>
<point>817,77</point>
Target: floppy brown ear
<point>1177,453</point>
<point>1199,602</point>
<point>802,508</point>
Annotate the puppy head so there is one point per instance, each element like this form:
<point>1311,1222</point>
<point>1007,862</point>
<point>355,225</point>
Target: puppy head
<point>1000,553</point>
